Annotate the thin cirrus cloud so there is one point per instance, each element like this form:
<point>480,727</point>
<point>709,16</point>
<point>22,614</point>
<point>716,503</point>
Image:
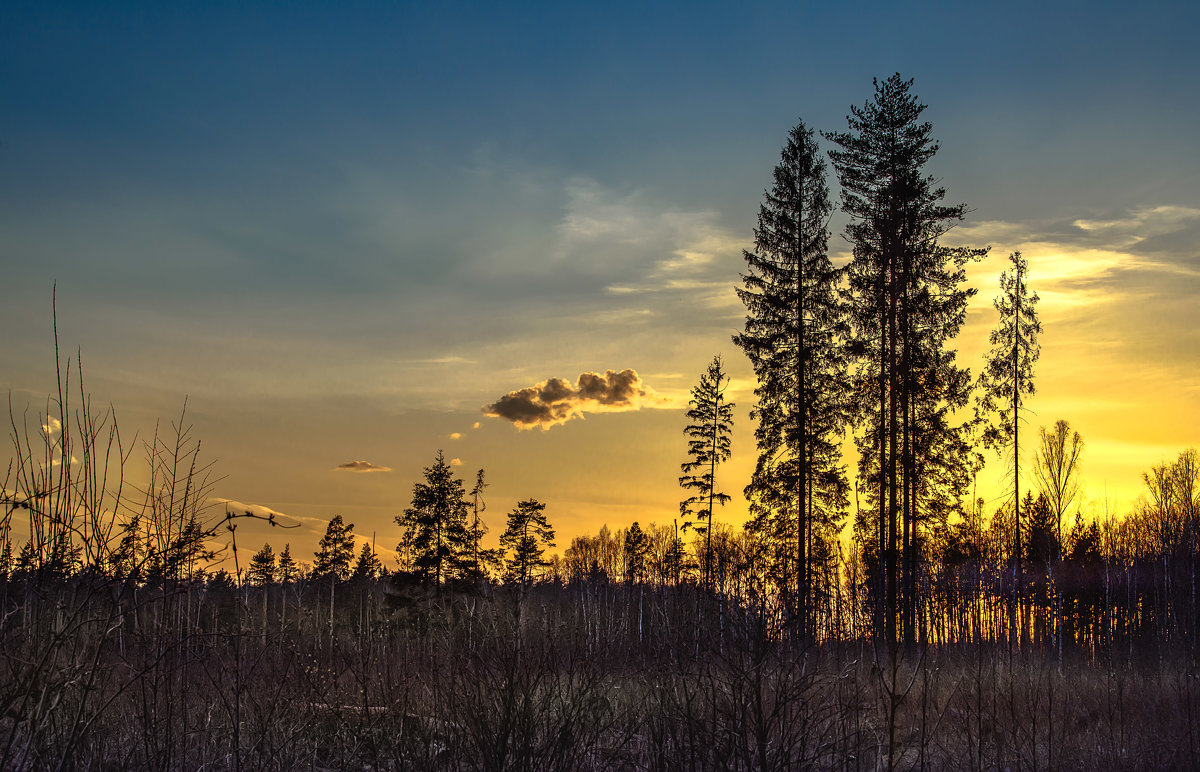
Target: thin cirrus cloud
<point>556,401</point>
<point>361,466</point>
<point>1146,254</point>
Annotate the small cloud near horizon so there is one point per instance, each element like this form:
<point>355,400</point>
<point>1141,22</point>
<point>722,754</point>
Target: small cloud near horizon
<point>361,466</point>
<point>456,435</point>
<point>456,462</point>
<point>556,401</point>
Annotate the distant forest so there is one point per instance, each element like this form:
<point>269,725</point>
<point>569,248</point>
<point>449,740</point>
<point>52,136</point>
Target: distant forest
<point>861,619</point>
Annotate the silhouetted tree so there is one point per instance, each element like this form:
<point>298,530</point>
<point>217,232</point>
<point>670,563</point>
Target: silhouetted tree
<point>367,566</point>
<point>262,568</point>
<point>528,535</point>
<point>906,305</point>
<point>335,550</point>
<point>480,558</point>
<point>1007,375</point>
<point>1041,542</point>
<point>1056,470</point>
<point>709,445</point>
<point>126,558</point>
<point>635,553</point>
<point>793,334</point>
<point>437,523</point>
<point>287,569</point>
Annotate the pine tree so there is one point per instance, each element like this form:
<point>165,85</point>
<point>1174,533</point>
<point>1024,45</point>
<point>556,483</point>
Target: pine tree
<point>262,571</point>
<point>1007,378</point>
<point>367,567</point>
<point>477,528</point>
<point>636,546</point>
<point>287,570</point>
<point>528,535</point>
<point>437,523</point>
<point>1041,543</point>
<point>793,337</point>
<point>709,445</point>
<point>335,550</point>
<point>906,306</point>
<point>125,560</point>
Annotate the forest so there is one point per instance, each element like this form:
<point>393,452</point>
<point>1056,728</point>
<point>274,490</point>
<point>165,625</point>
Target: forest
<point>871,613</point>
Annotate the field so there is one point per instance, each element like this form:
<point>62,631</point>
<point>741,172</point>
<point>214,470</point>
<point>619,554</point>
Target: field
<point>106,675</point>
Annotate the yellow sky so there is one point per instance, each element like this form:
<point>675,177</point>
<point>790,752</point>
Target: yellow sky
<point>1108,366</point>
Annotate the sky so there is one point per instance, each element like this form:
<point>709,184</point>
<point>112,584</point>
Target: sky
<point>342,230</point>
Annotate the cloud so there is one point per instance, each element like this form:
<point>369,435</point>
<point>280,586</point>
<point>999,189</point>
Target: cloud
<point>52,434</point>
<point>556,401</point>
<point>361,466</point>
<point>456,435</point>
<point>637,246</point>
<point>456,462</point>
<point>257,510</point>
<point>475,425</point>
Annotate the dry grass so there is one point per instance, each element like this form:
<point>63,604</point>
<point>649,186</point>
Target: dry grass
<point>91,683</point>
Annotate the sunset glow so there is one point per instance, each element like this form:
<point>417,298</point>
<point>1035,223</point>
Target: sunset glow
<point>348,251</point>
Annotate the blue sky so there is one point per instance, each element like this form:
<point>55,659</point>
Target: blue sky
<point>341,230</point>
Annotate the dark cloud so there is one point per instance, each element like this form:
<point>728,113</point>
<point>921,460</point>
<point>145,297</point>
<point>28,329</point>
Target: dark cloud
<point>1183,244</point>
<point>557,401</point>
<point>361,466</point>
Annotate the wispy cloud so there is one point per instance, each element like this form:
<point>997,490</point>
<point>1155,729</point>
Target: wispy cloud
<point>556,401</point>
<point>446,360</point>
<point>1083,262</point>
<point>1117,299</point>
<point>361,466</point>
<point>647,247</point>
<point>257,510</point>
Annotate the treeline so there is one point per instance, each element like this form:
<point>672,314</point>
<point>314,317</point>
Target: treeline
<point>1082,585</point>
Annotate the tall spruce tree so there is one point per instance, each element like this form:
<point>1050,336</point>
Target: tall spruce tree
<point>1007,378</point>
<point>907,304</point>
<point>793,334</point>
<point>437,523</point>
<point>709,445</point>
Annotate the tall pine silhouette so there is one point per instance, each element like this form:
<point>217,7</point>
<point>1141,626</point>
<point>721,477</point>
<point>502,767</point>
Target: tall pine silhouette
<point>793,332</point>
<point>906,306</point>
<point>709,445</point>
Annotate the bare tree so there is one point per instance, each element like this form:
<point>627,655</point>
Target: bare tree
<point>1056,470</point>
